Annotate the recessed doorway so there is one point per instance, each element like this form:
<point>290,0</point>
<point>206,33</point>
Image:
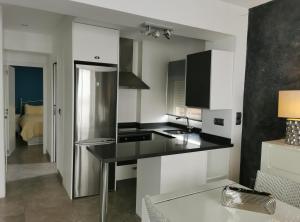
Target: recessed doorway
<point>24,105</point>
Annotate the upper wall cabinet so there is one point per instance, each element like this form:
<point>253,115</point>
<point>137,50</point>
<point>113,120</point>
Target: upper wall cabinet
<point>209,80</point>
<point>176,88</point>
<point>95,44</point>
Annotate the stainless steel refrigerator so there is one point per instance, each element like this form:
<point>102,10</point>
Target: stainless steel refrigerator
<point>96,87</point>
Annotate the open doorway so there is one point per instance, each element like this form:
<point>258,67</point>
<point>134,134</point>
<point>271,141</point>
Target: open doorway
<point>30,42</point>
<point>24,107</point>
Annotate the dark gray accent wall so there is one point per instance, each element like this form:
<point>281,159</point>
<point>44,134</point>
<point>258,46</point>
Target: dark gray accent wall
<point>273,64</point>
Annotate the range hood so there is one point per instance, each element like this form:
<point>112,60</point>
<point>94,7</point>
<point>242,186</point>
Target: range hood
<point>127,79</point>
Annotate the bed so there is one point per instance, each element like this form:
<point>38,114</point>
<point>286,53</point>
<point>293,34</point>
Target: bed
<point>31,124</point>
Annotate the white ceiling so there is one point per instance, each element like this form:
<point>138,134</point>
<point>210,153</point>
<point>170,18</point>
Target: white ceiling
<point>126,22</point>
<point>247,3</point>
<point>27,19</point>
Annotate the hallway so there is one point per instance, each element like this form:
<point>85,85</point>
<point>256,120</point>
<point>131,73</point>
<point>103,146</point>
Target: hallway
<point>24,154</point>
<point>28,162</point>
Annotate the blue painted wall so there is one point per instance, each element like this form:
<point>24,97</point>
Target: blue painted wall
<point>29,84</point>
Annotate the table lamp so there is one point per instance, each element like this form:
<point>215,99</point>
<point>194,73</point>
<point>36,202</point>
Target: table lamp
<point>289,108</point>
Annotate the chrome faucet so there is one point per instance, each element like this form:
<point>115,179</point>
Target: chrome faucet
<point>188,126</point>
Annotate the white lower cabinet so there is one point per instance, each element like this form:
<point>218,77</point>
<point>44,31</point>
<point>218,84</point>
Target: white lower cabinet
<point>217,164</point>
<point>169,173</point>
<point>125,172</point>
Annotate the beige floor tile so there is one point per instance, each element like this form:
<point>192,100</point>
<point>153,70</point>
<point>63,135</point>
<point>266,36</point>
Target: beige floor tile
<point>43,199</point>
<point>15,218</point>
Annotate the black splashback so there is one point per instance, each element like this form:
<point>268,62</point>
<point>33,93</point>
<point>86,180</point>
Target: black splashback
<point>273,64</point>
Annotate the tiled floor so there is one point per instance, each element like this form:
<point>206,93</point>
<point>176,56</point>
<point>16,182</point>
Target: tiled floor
<point>22,171</point>
<point>27,162</point>
<point>43,199</point>
<point>27,154</point>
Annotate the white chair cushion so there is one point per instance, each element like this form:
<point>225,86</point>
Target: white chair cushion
<point>154,214</point>
<point>281,188</point>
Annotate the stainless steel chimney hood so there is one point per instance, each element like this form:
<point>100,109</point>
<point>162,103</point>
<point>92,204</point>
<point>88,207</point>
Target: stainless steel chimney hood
<point>127,79</point>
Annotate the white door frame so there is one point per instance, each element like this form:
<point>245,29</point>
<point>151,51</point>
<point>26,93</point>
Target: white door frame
<point>45,101</point>
<point>15,60</point>
<point>9,106</point>
<point>2,149</point>
<point>54,112</point>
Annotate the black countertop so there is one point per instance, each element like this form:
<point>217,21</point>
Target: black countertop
<point>162,144</point>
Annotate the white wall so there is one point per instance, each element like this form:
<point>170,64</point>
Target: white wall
<point>23,58</point>
<point>155,57</point>
<point>127,105</point>
<point>2,148</point>
<point>147,106</point>
<point>20,58</point>
<point>209,127</point>
<point>27,41</point>
<point>128,108</point>
<point>62,54</point>
<point>68,111</point>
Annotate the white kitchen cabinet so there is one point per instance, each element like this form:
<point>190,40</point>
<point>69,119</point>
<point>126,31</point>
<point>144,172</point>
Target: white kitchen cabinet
<point>209,80</point>
<point>218,164</point>
<point>125,172</point>
<point>95,44</point>
<point>170,173</point>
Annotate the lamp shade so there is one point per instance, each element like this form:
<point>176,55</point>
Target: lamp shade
<point>289,104</point>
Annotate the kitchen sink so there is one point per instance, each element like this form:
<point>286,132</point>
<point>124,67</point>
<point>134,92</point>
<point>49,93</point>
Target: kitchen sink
<point>176,132</point>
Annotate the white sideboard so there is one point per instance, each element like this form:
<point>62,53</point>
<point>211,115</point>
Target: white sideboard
<point>278,158</point>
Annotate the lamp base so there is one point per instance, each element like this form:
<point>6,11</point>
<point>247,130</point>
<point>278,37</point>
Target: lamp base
<point>293,132</point>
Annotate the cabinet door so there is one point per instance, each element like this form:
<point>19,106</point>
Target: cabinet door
<point>95,44</point>
<point>176,88</point>
<point>198,79</point>
<point>217,164</point>
<point>221,80</point>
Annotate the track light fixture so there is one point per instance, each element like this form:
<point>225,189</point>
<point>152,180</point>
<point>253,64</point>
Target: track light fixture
<point>167,33</point>
<point>156,34</point>
<point>156,30</point>
<point>148,30</point>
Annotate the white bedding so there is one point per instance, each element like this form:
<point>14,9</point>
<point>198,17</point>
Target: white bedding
<point>32,126</point>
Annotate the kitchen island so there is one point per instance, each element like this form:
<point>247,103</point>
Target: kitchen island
<point>188,147</point>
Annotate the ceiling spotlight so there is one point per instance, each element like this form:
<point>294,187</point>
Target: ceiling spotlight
<point>156,34</point>
<point>167,33</point>
<point>156,30</point>
<point>148,30</point>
